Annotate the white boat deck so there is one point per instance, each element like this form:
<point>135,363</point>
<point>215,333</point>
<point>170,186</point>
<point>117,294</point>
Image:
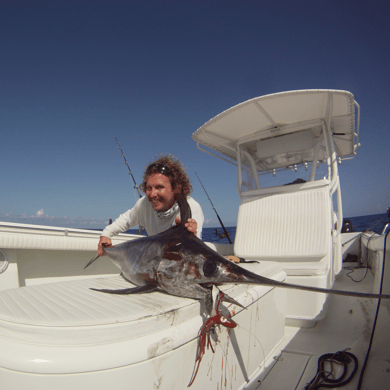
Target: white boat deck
<point>347,325</point>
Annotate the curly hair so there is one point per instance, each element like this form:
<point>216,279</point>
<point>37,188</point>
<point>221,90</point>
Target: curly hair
<point>180,182</point>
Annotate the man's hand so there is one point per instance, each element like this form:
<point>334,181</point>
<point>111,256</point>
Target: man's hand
<point>104,242</point>
<point>191,225</point>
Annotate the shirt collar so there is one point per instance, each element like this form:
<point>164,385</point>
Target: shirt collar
<point>168,214</point>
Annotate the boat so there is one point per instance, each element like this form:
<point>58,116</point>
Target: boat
<point>55,332</point>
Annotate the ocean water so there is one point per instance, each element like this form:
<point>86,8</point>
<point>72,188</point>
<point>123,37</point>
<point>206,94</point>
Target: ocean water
<point>358,225</point>
<point>366,222</point>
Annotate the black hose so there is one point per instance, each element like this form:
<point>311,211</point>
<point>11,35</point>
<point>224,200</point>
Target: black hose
<point>322,379</point>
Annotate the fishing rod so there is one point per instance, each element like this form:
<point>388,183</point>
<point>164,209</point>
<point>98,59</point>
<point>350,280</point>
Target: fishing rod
<point>223,227</point>
<point>131,174</point>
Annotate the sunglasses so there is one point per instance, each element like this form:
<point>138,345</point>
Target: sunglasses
<point>160,168</point>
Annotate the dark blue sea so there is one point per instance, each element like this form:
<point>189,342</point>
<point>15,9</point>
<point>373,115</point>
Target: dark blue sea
<point>366,222</point>
<point>358,225</point>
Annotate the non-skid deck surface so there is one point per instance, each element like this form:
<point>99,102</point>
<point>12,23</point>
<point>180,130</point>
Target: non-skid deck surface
<point>348,324</point>
<point>65,312</point>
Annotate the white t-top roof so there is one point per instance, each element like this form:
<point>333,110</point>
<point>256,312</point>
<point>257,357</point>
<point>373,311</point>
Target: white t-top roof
<point>269,116</point>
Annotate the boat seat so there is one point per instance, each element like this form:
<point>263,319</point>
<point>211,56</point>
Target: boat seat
<point>291,225</point>
<point>293,228</point>
<point>66,327</point>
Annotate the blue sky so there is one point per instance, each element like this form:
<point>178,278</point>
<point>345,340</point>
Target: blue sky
<point>76,74</point>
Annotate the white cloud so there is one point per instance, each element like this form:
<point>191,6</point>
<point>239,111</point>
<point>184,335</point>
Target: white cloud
<point>40,218</point>
<point>209,222</point>
<point>39,213</point>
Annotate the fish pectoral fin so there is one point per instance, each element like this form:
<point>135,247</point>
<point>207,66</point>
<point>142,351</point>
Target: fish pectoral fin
<point>91,261</point>
<point>127,291</point>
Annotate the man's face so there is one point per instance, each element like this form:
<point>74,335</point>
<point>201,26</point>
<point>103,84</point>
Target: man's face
<point>159,192</point>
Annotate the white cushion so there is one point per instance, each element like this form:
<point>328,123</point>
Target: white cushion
<point>286,227</point>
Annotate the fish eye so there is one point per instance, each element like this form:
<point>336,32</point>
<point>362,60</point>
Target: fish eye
<point>209,267</point>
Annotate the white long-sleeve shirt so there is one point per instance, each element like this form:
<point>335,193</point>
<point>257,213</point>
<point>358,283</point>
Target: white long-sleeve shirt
<point>143,214</point>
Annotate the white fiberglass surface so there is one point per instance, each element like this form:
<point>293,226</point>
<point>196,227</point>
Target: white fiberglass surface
<point>270,115</point>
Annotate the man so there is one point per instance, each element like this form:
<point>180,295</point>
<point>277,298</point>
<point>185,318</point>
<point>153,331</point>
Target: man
<point>158,210</point>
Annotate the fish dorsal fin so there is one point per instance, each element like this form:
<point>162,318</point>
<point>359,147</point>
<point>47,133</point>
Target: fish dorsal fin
<point>185,210</point>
